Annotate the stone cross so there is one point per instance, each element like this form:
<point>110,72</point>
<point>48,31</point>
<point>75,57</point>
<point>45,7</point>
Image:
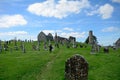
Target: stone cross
<point>76,68</point>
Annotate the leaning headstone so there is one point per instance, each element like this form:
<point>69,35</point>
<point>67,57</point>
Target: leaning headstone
<point>76,68</point>
<point>33,46</point>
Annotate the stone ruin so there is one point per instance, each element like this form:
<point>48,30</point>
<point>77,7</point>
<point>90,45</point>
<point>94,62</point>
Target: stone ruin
<point>76,68</point>
<point>72,40</point>
<point>42,37</point>
<point>117,44</point>
<point>92,40</point>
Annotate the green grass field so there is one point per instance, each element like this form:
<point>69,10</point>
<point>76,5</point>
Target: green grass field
<point>42,65</point>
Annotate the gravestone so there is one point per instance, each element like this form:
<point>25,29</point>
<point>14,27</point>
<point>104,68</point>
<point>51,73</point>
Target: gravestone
<point>106,50</point>
<point>5,47</point>
<point>76,68</point>
<point>15,44</point>
<point>38,47</point>
<point>24,50</point>
<point>21,45</point>
<point>45,46</point>
<point>68,44</point>
<point>56,40</point>
<point>33,46</point>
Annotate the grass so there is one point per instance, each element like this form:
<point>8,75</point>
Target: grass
<point>42,65</point>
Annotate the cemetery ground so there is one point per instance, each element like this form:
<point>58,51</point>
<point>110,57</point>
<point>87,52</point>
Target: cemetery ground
<point>43,65</point>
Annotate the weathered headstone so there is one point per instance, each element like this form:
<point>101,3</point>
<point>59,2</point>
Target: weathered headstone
<point>56,41</point>
<point>24,50</point>
<point>15,44</point>
<point>45,46</point>
<point>81,46</point>
<point>21,45</point>
<point>33,46</point>
<point>76,68</point>
<point>5,47</point>
<point>106,50</point>
<point>38,47</point>
<point>68,44</point>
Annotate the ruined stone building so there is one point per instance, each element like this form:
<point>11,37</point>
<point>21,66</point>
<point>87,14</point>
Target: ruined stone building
<point>91,39</point>
<point>42,37</point>
<point>59,39</point>
<point>49,37</point>
<point>62,40</point>
<point>117,43</point>
<point>72,39</point>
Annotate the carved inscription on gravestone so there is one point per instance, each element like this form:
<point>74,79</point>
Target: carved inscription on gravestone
<point>76,68</point>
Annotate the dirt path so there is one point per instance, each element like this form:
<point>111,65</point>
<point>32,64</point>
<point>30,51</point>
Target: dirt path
<point>46,70</point>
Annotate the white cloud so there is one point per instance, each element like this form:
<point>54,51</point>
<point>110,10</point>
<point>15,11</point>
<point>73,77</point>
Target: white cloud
<point>104,11</point>
<point>110,29</point>
<point>68,29</point>
<point>74,34</point>
<point>92,12</point>
<point>59,9</point>
<point>117,1</point>
<point>49,31</point>
<point>18,34</point>
<point>14,33</point>
<point>7,21</point>
<point>10,35</point>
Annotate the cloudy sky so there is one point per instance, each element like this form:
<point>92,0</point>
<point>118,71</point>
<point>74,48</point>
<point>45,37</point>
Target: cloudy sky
<point>25,19</point>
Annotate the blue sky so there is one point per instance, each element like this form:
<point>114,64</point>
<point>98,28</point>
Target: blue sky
<point>25,19</point>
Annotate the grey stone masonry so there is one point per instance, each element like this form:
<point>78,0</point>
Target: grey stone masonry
<point>76,68</point>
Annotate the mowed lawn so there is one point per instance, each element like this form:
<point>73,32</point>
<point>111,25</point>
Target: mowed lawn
<point>42,65</point>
